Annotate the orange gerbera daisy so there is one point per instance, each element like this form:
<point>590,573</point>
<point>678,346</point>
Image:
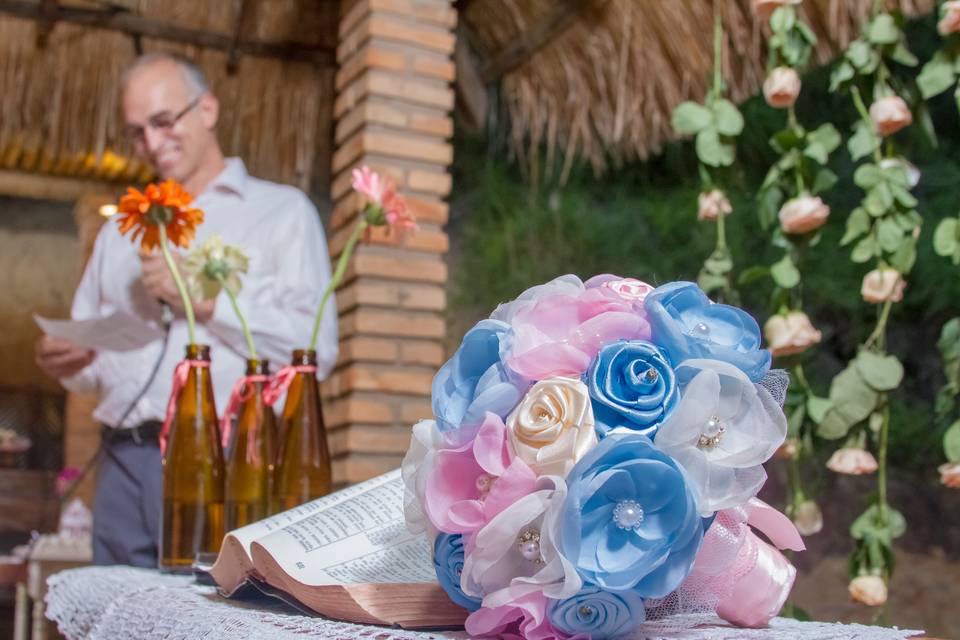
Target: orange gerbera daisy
<point>164,204</point>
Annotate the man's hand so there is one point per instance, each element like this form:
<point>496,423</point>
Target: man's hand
<point>60,358</point>
<point>159,283</point>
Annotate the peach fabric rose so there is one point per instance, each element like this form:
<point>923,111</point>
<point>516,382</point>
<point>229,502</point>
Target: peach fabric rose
<point>765,8</point>
<point>950,475</point>
<point>852,461</point>
<point>890,114</point>
<point>781,88</point>
<point>949,17</point>
<point>808,518</point>
<point>790,334</point>
<point>881,285</point>
<point>803,214</point>
<point>868,590</point>
<point>711,204</point>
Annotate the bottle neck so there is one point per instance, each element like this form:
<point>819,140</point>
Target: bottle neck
<point>304,357</point>
<point>258,367</point>
<point>200,352</point>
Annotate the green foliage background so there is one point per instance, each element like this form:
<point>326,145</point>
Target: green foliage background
<point>640,221</point>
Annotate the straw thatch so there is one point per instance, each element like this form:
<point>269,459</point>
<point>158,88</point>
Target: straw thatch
<point>59,102</point>
<point>605,87</point>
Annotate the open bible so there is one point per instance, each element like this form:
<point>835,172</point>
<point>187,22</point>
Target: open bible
<point>347,556</point>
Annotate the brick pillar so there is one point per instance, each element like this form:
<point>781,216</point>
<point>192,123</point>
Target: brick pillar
<point>392,113</point>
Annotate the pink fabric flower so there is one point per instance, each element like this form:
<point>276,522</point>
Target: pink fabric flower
<point>949,17</point>
<point>713,204</point>
<point>523,619</point>
<point>852,461</point>
<point>395,210</point>
<point>950,475</point>
<point>781,88</point>
<point>369,183</point>
<point>382,194</point>
<point>868,590</point>
<point>881,285</point>
<point>790,334</point>
<point>559,335</point>
<point>803,214</point>
<point>470,485</point>
<point>890,114</point>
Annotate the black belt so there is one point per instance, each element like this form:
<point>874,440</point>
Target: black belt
<point>144,433</point>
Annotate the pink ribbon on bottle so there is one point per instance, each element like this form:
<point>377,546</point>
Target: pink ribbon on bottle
<point>760,578</point>
<point>243,390</point>
<point>282,380</point>
<point>179,379</point>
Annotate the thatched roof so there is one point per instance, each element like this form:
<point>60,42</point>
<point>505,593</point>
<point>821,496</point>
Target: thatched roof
<point>59,103</point>
<point>604,85</point>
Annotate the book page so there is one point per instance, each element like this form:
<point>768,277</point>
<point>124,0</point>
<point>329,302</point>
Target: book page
<point>361,539</point>
<point>120,331</point>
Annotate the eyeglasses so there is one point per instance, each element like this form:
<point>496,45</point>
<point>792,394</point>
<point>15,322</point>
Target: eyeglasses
<point>162,122</point>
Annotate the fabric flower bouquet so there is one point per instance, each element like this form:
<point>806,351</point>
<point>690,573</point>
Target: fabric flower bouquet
<point>594,460</point>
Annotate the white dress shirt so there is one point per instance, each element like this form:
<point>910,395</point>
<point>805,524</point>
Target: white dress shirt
<point>279,229</point>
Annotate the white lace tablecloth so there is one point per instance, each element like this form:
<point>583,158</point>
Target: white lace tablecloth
<point>112,603</point>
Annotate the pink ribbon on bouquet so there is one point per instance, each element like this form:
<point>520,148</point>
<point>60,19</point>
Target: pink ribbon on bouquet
<point>745,579</point>
<point>282,380</point>
<point>179,379</point>
<point>243,390</point>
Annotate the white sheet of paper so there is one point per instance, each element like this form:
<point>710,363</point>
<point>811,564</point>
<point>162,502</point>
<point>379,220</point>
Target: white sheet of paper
<point>120,331</point>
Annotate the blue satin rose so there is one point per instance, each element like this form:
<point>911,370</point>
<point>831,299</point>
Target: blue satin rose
<point>475,381</point>
<point>632,385</point>
<point>630,519</point>
<point>448,563</point>
<point>687,325</point>
<point>597,614</point>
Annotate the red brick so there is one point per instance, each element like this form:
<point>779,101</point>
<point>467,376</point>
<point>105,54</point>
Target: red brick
<point>428,210</point>
<point>364,348</point>
<point>369,378</point>
<point>370,57</point>
<point>415,410</point>
<point>373,439</point>
<point>397,267</point>
<point>351,410</point>
<point>425,353</point>
<point>430,181</point>
<point>433,125</point>
<point>391,294</point>
<point>359,467</point>
<point>426,240</point>
<point>410,324</point>
<point>395,29</point>
<point>435,66</point>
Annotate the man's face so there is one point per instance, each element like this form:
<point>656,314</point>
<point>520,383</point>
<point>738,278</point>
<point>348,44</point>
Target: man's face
<point>170,123</point>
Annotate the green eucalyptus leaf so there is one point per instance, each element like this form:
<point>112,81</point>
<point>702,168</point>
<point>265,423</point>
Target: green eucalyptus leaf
<point>823,181</point>
<point>859,54</point>
<point>785,140</point>
<point>949,342</point>
<point>883,30</point>
<point>862,143</point>
<point>818,407</point>
<point>945,239</point>
<point>851,396</point>
<point>951,442</point>
<point>719,263</point>
<point>904,56</point>
<point>785,273</point>
<point>889,235</point>
<point>783,19</point>
<point>905,257</point>
<point>876,422</point>
<point>712,150</point>
<point>710,282</point>
<point>903,196</point>
<point>867,176</point>
<point>728,118</point>
<point>858,223</point>
<point>817,152</point>
<point>841,74</point>
<point>795,420</point>
<point>864,250</point>
<point>690,117</point>
<point>937,75</point>
<point>753,274</point>
<point>827,136</point>
<point>882,373</point>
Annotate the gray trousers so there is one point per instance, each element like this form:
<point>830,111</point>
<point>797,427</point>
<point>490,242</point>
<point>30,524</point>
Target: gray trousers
<point>126,510</point>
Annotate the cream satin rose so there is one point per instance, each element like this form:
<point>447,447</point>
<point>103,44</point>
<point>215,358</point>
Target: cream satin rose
<point>881,285</point>
<point>552,427</point>
<point>808,518</point>
<point>765,8</point>
<point>868,590</point>
<point>852,461</point>
<point>949,17</point>
<point>950,475</point>
<point>803,214</point>
<point>781,88</point>
<point>890,114</point>
<point>790,334</point>
<point>712,204</point>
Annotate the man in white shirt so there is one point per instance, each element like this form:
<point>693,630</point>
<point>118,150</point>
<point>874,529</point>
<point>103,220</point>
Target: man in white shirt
<point>171,116</point>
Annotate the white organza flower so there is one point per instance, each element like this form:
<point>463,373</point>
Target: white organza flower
<point>722,431</point>
<point>414,470</point>
<point>568,284</point>
<point>515,554</point>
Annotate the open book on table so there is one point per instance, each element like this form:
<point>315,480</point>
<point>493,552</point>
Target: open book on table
<point>347,556</point>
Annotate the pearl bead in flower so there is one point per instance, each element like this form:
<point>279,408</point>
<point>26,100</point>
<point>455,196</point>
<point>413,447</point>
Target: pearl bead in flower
<point>651,375</point>
<point>529,545</point>
<point>627,514</point>
<point>701,329</point>
<point>712,431</point>
<point>483,482</point>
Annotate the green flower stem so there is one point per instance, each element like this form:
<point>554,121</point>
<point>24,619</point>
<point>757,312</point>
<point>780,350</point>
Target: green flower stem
<point>878,337</point>
<point>181,288</point>
<point>717,52</point>
<point>721,232</point>
<point>337,275</point>
<point>243,321</point>
<point>882,506</point>
<point>865,116</point>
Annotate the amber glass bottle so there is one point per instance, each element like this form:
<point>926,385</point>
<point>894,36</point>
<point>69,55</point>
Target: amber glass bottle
<point>303,471</point>
<point>251,455</point>
<point>192,472</point>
